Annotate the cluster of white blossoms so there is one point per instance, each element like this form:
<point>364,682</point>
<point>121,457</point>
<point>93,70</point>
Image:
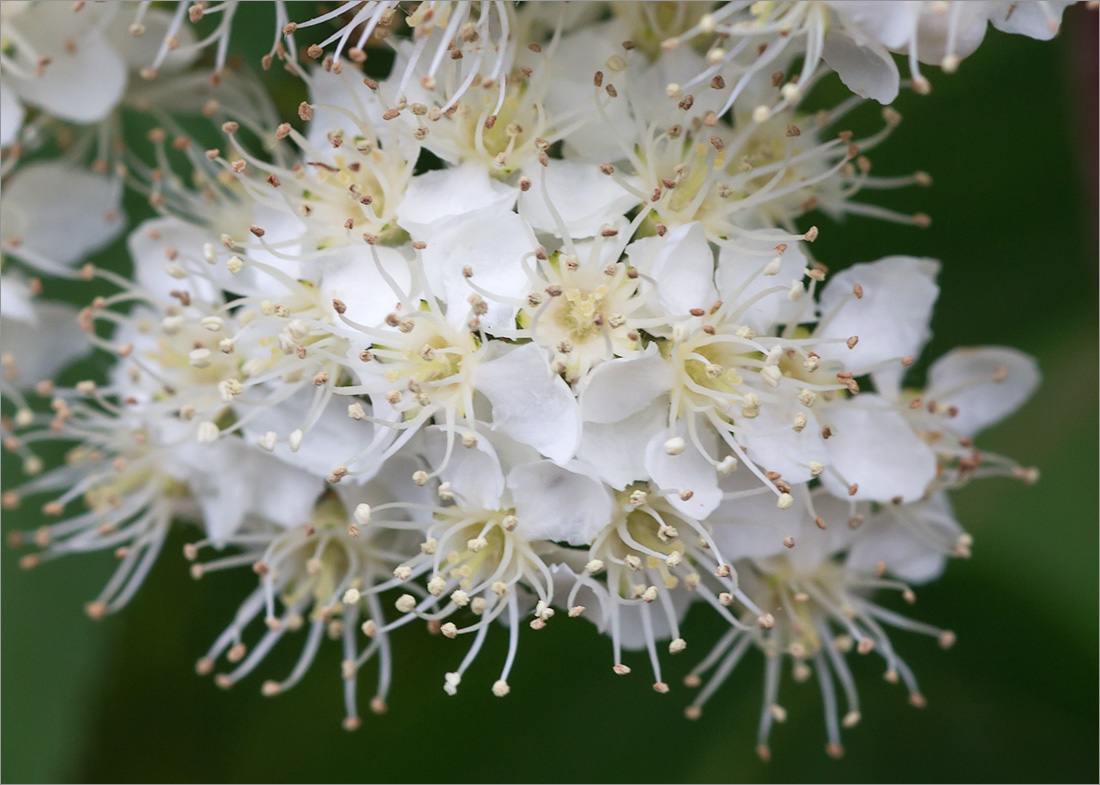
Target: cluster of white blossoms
<point>530,327</point>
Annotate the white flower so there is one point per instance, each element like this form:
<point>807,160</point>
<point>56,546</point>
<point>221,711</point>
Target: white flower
<point>478,33</point>
<point>123,469</point>
<point>483,550</point>
<point>822,608</point>
<point>325,574</point>
<point>854,39</point>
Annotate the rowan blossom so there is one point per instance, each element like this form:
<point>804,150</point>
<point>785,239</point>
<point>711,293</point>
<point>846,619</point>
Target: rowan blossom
<point>527,326</point>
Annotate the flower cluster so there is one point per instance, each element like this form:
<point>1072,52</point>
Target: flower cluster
<point>529,326</point>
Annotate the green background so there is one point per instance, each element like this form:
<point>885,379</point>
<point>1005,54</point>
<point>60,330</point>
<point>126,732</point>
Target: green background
<point>1010,142</point>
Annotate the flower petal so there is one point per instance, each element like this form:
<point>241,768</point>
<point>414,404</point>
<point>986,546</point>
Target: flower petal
<point>474,472</point>
<point>688,471</point>
<point>682,263</point>
<point>867,70</point>
<point>873,446</point>
<point>492,242</point>
<point>890,319</point>
<point>350,275</point>
<point>80,85</point>
<point>615,452</point>
<point>446,193</point>
<point>584,198</point>
<point>62,212</point>
<point>986,384</point>
<point>530,403</point>
<point>618,388</point>
<point>740,279</point>
<point>556,504</point>
<point>11,115</point>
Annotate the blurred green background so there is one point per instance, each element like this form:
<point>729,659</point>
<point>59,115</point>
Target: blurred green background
<point>1010,142</point>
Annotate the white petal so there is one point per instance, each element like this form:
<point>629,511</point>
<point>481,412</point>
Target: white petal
<point>11,115</point>
<point>17,299</point>
<point>584,198</point>
<point>231,480</point>
<point>530,403</point>
<point>446,193</point>
<point>968,379</point>
<point>905,539</point>
<point>570,92</point>
<point>889,22</point>
<point>62,212</point>
<point>330,92</point>
<point>812,545</point>
<point>873,446</point>
<point>1029,18</point>
<point>350,274</point>
<point>618,388</point>
<point>491,242</point>
<point>140,51</point>
<point>868,71</point>
<point>82,86</point>
<point>333,439</point>
<point>970,23</point>
<point>688,471</point>
<point>46,343</point>
<point>280,492</point>
<point>682,262</point>
<point>905,556</point>
<point>474,472</point>
<point>752,525</point>
<point>151,243</point>
<point>890,320</point>
<point>740,280</point>
<point>282,230</point>
<point>558,505</point>
<point>774,445</point>
<point>393,483</point>
<point>615,452</point>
